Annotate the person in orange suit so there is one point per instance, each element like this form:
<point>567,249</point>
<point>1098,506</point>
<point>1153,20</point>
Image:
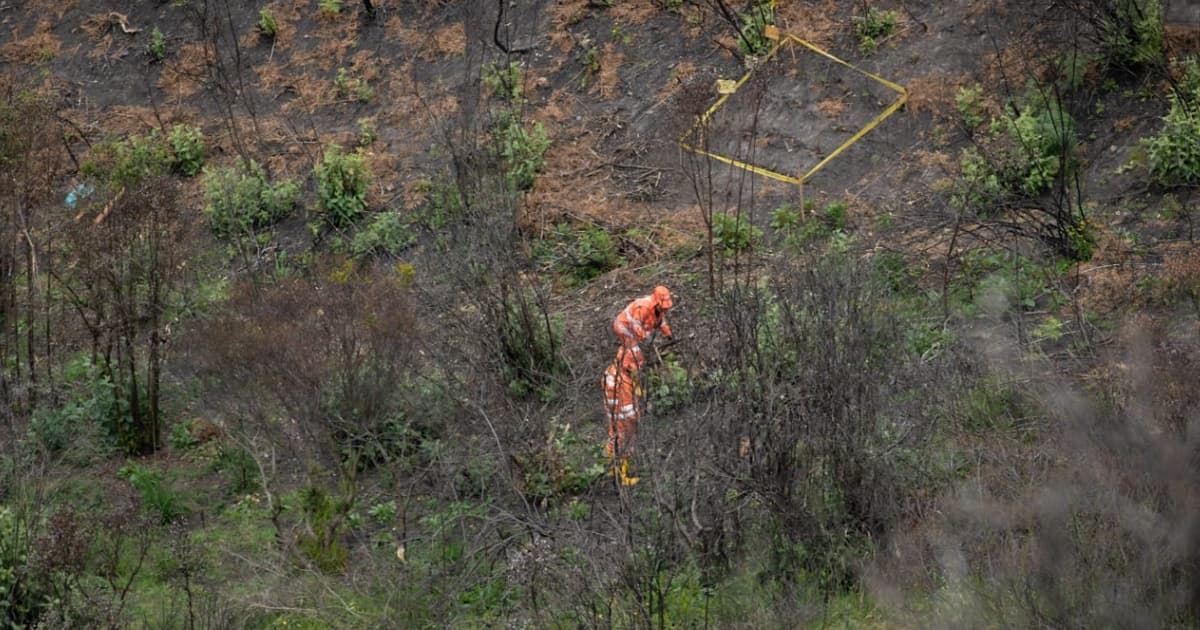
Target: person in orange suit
<point>623,410</point>
<point>642,319</point>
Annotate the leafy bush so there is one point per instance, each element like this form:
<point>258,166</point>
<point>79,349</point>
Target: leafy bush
<point>668,386</point>
<point>330,8</point>
<point>383,513</point>
<point>240,200</point>
<point>521,150</point>
<point>123,163</point>
<point>156,48</point>
<point>1025,153</point>
<point>324,515</point>
<point>188,144</point>
<point>796,230</point>
<point>387,233</point>
<point>734,234</point>
<point>564,465</point>
<point>530,344</point>
<point>753,40</point>
<point>238,467</point>
<point>584,253</point>
<point>443,201</point>
<point>1174,153</point>
<point>503,80</point>
<point>1134,30</point>
<point>181,437</point>
<point>158,496</point>
<point>266,23</point>
<point>874,26</point>
<point>342,183</point>
<point>346,86</point>
<point>93,419</point>
<point>367,133</point>
<point>969,101</point>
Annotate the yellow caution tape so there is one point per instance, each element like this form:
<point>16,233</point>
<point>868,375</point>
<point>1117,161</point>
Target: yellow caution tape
<point>723,86</point>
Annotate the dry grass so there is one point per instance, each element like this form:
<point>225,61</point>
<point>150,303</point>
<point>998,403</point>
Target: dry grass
<point>57,7</point>
<point>832,107</point>
<point>183,75</point>
<point>419,42</point>
<point>936,160</point>
<point>1182,39</point>
<point>287,15</point>
<point>126,120</point>
<point>815,22</point>
<point>451,41</point>
<point>683,73</point>
<point>934,93</point>
<point>610,65</point>
<point>1108,281</point>
<point>366,65</point>
<point>40,47</point>
<point>634,12</point>
<point>334,41</point>
<point>564,15</point>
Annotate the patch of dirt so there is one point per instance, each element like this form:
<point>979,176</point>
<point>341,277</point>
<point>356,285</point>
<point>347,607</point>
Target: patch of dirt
<point>816,22</point>
<point>935,94</point>
<point>610,65</point>
<point>39,47</point>
<point>185,72</point>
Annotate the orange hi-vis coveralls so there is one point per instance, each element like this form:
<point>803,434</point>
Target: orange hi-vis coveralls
<point>621,405</point>
<point>642,317</point>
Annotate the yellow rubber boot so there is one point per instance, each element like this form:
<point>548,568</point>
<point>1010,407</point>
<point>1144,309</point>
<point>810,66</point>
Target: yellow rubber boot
<point>623,475</point>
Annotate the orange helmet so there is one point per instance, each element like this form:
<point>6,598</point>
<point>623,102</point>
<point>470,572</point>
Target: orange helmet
<point>662,297</point>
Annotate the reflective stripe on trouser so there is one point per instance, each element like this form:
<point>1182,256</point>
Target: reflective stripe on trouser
<point>622,431</point>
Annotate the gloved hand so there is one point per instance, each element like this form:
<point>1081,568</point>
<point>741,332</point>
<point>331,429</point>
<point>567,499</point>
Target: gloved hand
<point>666,331</point>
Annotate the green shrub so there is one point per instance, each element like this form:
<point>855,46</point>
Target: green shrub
<point>443,202</point>
<point>530,345</point>
<point>1026,153</point>
<point>367,133</point>
<point>562,465</point>
<point>266,23</point>
<point>238,467</point>
<point>753,40</point>
<point>188,144</point>
<point>503,80</point>
<point>584,253</point>
<point>320,542</point>
<point>874,26</point>
<point>240,200</point>
<point>93,419</point>
<point>1174,152</point>
<point>521,150</point>
<point>668,385</point>
<point>387,233</point>
<point>156,48</point>
<point>181,437</point>
<point>330,7</point>
<point>971,108</point>
<point>121,163</point>
<point>1134,30</point>
<point>788,222</point>
<point>158,496</point>
<point>342,183</point>
<point>734,234</point>
<point>346,86</point>
<point>383,513</point>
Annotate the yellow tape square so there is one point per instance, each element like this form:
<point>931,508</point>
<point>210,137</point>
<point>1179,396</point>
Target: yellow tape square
<point>726,90</point>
